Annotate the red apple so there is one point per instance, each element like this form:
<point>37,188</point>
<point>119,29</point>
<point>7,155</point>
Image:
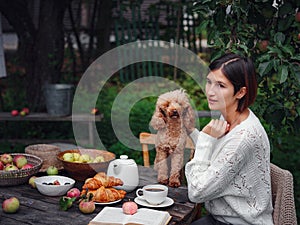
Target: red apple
<point>129,208</point>
<point>11,205</point>
<point>20,161</point>
<point>2,165</point>
<point>87,207</point>
<point>10,168</point>
<point>31,181</point>
<point>262,45</point>
<point>14,112</point>
<point>94,111</point>
<point>27,166</point>
<point>297,17</point>
<point>73,193</point>
<point>25,110</point>
<point>6,158</point>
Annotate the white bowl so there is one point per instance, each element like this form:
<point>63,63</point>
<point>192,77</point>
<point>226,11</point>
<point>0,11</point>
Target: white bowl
<point>43,186</point>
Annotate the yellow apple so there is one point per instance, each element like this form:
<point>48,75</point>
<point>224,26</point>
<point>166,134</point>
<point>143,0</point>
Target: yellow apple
<point>68,157</point>
<point>76,156</point>
<point>84,158</point>
<point>99,159</point>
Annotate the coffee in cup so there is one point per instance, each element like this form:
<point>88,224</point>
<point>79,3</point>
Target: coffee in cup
<point>154,194</point>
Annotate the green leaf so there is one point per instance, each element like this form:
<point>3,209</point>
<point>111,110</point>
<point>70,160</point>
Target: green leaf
<point>288,49</point>
<point>283,73</point>
<point>285,9</point>
<point>285,23</point>
<point>264,68</point>
<point>65,203</point>
<point>202,26</point>
<point>279,37</point>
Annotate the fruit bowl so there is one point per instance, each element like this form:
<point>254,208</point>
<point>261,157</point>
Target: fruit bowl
<point>21,176</point>
<point>82,170</point>
<point>54,185</point>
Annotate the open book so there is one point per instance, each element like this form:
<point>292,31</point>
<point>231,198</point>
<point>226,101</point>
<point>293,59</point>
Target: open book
<point>144,216</point>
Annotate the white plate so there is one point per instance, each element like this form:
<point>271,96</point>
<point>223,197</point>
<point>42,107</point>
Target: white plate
<point>143,202</point>
<point>107,203</point>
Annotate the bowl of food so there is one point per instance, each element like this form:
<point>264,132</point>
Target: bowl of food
<point>54,185</point>
<point>81,164</point>
<point>17,168</point>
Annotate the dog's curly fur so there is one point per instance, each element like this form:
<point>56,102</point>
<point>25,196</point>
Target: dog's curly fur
<point>173,111</point>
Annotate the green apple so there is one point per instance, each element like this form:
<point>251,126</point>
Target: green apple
<point>99,159</point>
<point>84,158</point>
<point>69,157</point>
<point>10,168</point>
<point>76,156</point>
<point>31,181</point>
<point>52,170</point>
<point>91,159</point>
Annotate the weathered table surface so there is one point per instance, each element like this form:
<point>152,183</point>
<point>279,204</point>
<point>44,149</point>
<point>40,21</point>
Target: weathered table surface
<point>37,209</point>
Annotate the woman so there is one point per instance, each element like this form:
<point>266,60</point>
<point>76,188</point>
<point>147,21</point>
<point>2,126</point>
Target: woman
<point>230,170</point>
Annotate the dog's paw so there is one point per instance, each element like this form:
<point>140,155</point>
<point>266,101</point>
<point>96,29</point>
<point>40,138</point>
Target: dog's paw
<point>163,181</point>
<point>174,183</point>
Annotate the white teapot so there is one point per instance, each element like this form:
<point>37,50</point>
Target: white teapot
<point>126,170</point>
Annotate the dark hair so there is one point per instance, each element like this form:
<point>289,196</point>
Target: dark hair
<point>240,71</point>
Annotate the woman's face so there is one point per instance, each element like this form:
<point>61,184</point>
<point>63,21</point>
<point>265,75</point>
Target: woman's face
<point>220,92</point>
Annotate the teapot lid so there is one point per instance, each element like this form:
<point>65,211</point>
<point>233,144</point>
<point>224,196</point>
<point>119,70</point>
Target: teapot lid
<point>124,160</point>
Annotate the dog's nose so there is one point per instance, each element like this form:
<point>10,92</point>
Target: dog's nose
<point>175,112</point>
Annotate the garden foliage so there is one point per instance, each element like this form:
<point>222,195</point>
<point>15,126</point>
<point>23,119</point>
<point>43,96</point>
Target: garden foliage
<point>269,32</point>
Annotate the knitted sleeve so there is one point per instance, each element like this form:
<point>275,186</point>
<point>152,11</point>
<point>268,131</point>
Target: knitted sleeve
<point>209,177</point>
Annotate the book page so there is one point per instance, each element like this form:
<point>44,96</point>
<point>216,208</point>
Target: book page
<point>144,216</point>
<point>150,217</point>
<point>109,216</point>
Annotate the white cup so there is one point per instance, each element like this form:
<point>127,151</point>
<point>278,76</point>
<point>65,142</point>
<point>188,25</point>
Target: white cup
<point>154,194</point>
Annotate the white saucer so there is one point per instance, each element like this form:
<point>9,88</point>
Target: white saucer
<point>107,203</point>
<point>143,202</point>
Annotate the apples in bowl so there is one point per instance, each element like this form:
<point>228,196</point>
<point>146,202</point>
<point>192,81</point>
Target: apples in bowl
<point>54,185</point>
<point>81,164</point>
<point>17,168</point>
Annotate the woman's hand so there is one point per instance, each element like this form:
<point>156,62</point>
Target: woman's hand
<point>216,128</point>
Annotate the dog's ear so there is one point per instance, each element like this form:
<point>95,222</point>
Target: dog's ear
<point>162,112</point>
<point>158,120</point>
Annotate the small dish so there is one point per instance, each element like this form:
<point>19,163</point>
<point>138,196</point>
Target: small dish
<point>108,203</point>
<point>44,187</point>
<point>141,201</point>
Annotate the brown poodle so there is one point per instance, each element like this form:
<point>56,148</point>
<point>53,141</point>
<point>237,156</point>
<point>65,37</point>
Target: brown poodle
<point>172,114</point>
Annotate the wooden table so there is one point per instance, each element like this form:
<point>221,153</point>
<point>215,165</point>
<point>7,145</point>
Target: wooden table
<point>38,209</point>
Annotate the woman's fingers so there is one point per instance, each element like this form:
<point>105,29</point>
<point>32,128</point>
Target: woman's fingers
<point>216,128</point>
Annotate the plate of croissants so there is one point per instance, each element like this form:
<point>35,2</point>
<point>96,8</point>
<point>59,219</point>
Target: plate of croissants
<point>102,189</point>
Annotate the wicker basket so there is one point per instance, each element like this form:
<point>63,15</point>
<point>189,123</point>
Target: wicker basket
<point>16,177</point>
<point>47,153</point>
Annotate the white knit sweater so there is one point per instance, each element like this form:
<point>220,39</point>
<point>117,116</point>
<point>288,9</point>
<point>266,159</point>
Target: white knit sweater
<point>232,174</point>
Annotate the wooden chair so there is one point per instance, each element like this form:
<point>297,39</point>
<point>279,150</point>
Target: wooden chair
<point>283,196</point>
<point>149,139</point>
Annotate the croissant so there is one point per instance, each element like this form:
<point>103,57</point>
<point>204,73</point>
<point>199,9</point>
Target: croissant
<point>101,179</point>
<point>103,194</point>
